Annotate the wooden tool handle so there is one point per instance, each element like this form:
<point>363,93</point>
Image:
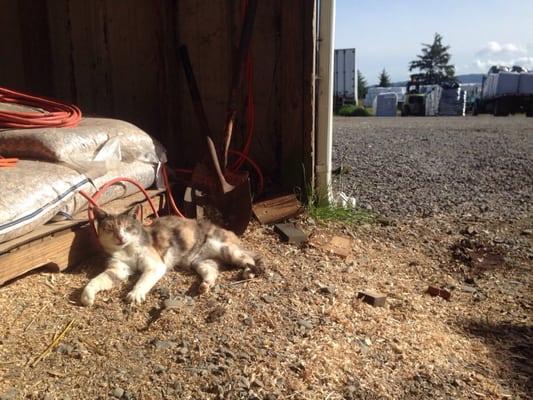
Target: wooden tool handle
<point>238,72</point>
<point>200,115</point>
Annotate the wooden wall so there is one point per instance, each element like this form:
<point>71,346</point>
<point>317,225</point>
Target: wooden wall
<point>118,58</point>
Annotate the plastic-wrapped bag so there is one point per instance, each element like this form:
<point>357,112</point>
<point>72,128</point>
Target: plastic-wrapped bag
<point>35,191</point>
<point>81,144</point>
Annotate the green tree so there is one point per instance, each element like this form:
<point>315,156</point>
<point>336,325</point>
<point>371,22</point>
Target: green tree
<point>384,79</point>
<point>434,62</point>
<point>362,86</point>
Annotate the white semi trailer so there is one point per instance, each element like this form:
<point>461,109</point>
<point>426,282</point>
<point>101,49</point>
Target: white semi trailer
<point>506,91</point>
<point>345,77</point>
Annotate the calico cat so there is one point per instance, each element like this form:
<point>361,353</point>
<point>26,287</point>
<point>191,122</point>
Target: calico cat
<point>168,242</point>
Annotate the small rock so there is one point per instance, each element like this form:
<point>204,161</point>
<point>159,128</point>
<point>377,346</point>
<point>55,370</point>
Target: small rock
<point>159,369</point>
<point>470,281</point>
<point>128,395</point>
<point>215,314</point>
<point>117,392</point>
<point>163,344</point>
<point>527,232</point>
<point>469,230</point>
<point>397,349</point>
<point>172,303</point>
<point>163,292</point>
<point>327,289</point>
<point>305,324</point>
<point>11,394</point>
<point>363,346</point>
<point>373,298</point>
<point>468,289</point>
<point>243,382</point>
<point>64,348</point>
<point>435,291</point>
<point>183,350</point>
<point>268,299</point>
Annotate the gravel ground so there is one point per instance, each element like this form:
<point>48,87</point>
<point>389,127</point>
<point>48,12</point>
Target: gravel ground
<point>300,331</point>
<point>424,166</point>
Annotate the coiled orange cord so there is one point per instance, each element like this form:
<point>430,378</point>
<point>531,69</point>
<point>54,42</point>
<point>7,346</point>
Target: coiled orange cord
<point>55,113</point>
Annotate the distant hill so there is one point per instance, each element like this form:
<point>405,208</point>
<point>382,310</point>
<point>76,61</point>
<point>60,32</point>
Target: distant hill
<point>470,78</point>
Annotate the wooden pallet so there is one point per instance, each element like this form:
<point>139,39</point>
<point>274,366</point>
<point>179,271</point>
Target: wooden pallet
<point>63,244</point>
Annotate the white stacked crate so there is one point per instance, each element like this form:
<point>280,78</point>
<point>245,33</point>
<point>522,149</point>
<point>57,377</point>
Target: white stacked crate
<point>452,102</point>
<point>385,105</point>
<point>432,100</point>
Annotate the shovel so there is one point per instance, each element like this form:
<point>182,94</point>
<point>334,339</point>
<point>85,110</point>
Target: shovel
<point>229,193</point>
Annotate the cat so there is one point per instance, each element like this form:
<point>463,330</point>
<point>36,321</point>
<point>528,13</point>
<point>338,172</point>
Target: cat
<point>170,241</point>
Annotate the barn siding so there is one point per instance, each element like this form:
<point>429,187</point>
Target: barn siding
<point>118,59</point>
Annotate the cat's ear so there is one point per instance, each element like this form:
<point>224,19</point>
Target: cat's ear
<point>134,212</point>
<point>99,214</point>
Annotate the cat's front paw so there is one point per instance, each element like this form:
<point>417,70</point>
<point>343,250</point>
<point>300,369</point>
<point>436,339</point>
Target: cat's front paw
<point>135,297</point>
<point>87,297</point>
<point>204,288</point>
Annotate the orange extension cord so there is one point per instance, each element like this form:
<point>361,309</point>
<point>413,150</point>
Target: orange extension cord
<point>56,114</point>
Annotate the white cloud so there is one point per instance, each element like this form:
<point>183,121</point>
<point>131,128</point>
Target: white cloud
<point>495,53</point>
<point>501,49</point>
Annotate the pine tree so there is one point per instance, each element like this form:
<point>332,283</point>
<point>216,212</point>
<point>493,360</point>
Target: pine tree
<point>434,62</point>
<point>362,86</point>
<point>384,79</point>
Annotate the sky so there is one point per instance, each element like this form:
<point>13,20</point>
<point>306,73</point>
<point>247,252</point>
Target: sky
<point>389,33</point>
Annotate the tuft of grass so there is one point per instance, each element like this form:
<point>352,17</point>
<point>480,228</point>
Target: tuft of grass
<point>339,214</point>
<point>350,110</point>
<point>322,210</point>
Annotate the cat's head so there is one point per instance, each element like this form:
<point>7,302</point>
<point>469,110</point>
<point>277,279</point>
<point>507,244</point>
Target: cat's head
<point>117,231</point>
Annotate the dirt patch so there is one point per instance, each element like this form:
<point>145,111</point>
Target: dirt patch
<point>479,257</point>
<point>299,332</point>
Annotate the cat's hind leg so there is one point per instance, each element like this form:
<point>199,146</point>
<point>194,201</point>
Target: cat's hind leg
<point>250,263</point>
<point>116,273</point>
<point>208,271</point>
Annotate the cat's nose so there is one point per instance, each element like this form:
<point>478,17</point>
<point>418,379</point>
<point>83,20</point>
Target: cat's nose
<point>120,239</point>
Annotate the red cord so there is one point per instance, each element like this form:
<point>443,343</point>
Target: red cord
<point>170,198</point>
<point>56,114</point>
<point>261,183</point>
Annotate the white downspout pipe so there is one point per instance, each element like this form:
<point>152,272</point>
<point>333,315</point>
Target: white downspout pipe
<point>324,137</point>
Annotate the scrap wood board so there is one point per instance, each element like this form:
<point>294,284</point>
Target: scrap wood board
<point>61,244</point>
<point>277,209</point>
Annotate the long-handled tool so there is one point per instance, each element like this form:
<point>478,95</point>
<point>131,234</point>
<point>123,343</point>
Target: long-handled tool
<point>231,194</point>
<point>238,73</point>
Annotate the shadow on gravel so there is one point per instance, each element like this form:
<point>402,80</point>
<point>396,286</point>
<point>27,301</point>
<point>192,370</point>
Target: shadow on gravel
<point>512,349</point>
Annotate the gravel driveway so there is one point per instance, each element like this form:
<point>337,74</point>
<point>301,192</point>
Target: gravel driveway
<point>424,166</point>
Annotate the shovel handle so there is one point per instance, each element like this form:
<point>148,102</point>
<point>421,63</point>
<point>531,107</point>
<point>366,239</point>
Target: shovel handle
<point>238,72</point>
<point>201,117</point>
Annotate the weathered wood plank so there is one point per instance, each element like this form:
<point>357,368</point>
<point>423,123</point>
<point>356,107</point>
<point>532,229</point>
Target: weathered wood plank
<point>60,251</point>
<point>12,65</point>
<point>291,94</point>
